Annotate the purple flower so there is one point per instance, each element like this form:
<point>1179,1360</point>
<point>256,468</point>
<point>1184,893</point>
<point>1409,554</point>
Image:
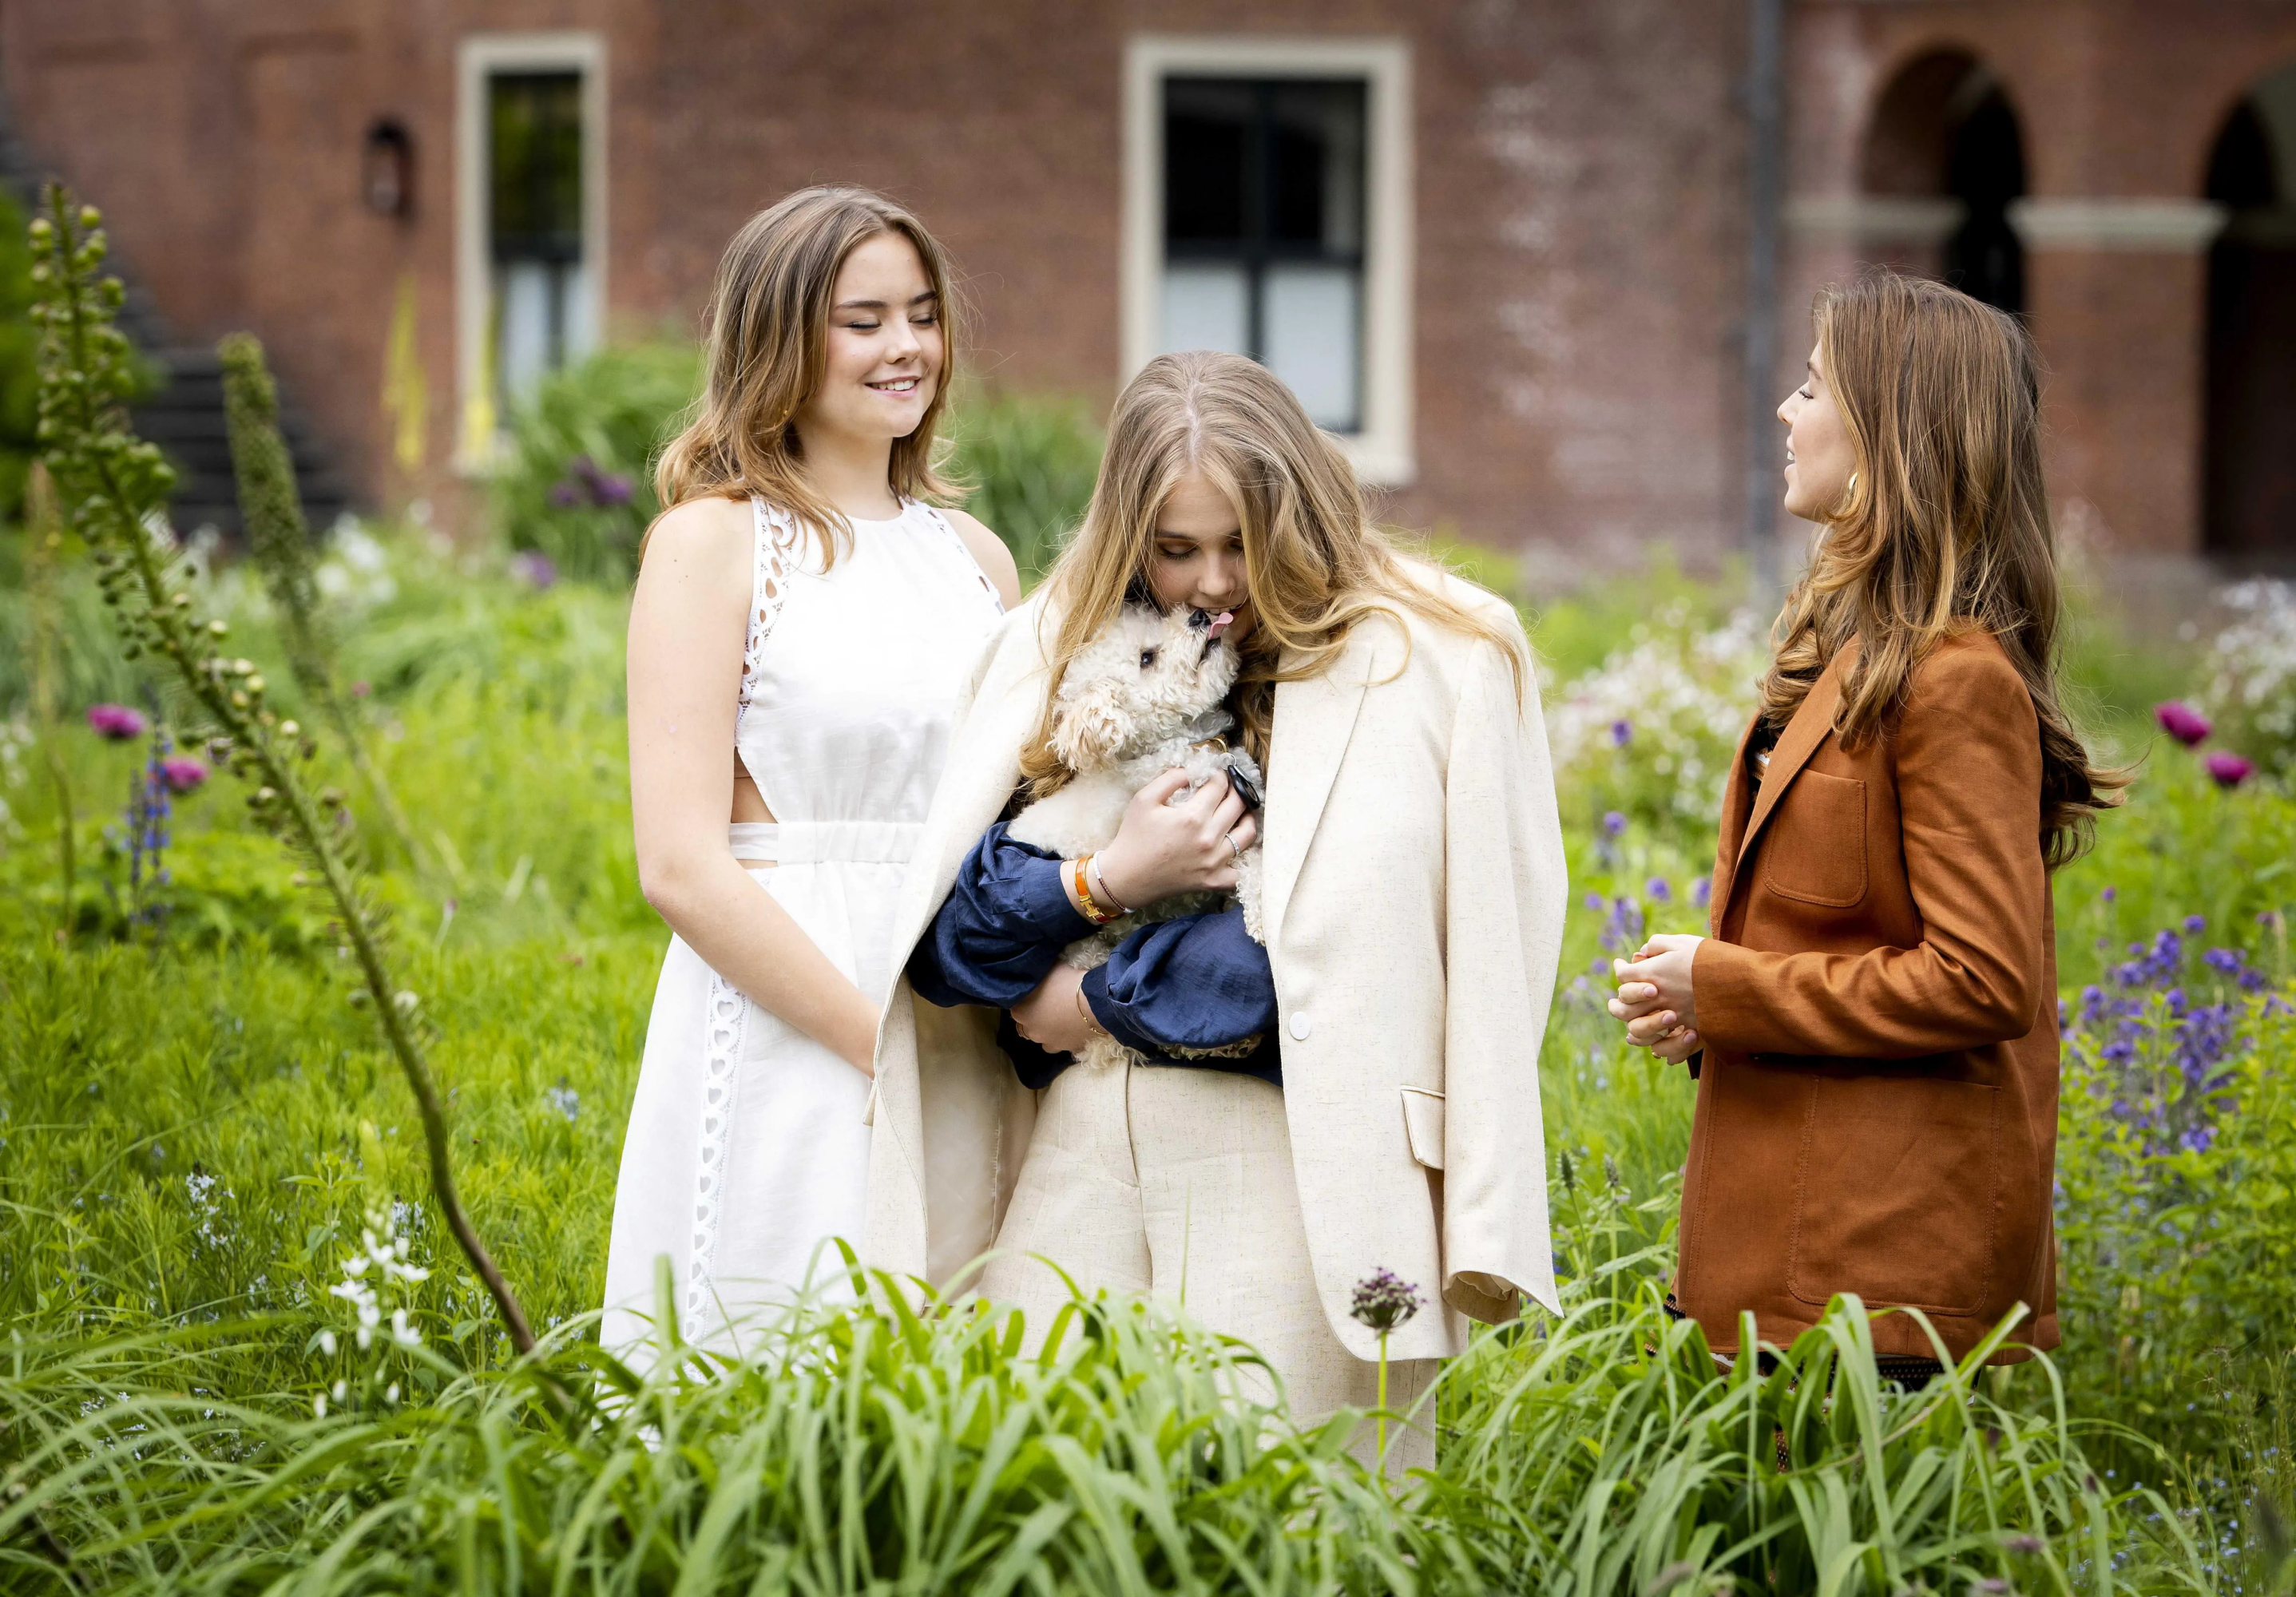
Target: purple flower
<point>2109,894</point>
<point>116,722</point>
<point>2195,925</point>
<point>182,774</point>
<point>1596,903</point>
<point>2228,771</point>
<point>1613,824</point>
<point>534,566</point>
<point>1702,891</point>
<point>1622,732</point>
<point>2183,723</point>
<point>1659,889</point>
<point>1383,1302</point>
<point>586,483</point>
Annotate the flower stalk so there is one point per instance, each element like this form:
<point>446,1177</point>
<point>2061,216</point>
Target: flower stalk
<point>113,486</point>
<point>43,546</point>
<point>279,536</point>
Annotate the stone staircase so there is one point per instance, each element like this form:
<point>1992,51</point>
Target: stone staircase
<point>183,413</point>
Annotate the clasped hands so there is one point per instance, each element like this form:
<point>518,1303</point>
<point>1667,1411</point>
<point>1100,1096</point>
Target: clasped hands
<point>1654,997</point>
<point>1161,848</point>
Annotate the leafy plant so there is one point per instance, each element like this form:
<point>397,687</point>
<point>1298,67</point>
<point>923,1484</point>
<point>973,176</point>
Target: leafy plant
<point>574,486</point>
<point>112,485</point>
<point>1029,465</point>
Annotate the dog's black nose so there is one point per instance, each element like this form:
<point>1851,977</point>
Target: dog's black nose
<point>1199,620</point>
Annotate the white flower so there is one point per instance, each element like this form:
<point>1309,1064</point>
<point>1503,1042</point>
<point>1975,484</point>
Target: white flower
<point>319,1407</point>
<point>401,1332</point>
<point>327,1343</point>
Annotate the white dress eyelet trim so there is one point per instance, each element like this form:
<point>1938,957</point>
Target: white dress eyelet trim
<point>774,539</point>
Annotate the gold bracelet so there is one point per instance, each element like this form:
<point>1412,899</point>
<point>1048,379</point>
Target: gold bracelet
<point>1087,906</point>
<point>1092,1025</point>
<point>1100,887</point>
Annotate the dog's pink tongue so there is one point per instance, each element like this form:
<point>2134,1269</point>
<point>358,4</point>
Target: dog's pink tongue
<point>1222,622</point>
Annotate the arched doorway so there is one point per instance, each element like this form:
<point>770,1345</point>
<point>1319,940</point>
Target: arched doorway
<point>2250,468</point>
<point>1944,149</point>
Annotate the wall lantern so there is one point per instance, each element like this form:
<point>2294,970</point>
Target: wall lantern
<point>387,170</point>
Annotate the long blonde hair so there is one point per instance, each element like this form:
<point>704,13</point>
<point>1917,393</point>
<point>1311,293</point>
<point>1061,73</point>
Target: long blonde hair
<point>1945,530</point>
<point>1315,565</point>
<point>766,350</point>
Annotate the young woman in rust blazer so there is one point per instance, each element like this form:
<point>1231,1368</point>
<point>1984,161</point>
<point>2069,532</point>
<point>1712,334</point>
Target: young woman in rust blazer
<point>1874,1021</point>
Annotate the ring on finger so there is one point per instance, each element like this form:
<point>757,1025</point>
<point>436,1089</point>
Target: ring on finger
<point>1232,847</point>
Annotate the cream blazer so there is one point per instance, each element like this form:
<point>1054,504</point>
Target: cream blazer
<point>1416,890</point>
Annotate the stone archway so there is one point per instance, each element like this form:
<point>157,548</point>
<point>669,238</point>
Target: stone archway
<point>1943,160</point>
<point>2249,471</point>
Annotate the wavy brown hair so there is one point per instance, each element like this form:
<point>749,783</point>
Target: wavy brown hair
<point>1314,565</point>
<point>766,349</point>
<point>1945,530</point>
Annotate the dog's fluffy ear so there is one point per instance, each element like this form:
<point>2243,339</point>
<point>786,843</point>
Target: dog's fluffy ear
<point>1090,727</point>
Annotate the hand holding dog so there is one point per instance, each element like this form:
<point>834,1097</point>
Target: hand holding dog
<point>1163,848</point>
<point>1655,999</point>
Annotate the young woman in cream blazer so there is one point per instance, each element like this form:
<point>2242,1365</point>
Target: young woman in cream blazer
<point>1414,887</point>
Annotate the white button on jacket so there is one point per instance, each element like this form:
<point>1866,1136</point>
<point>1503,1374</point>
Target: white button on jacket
<point>1299,1026</point>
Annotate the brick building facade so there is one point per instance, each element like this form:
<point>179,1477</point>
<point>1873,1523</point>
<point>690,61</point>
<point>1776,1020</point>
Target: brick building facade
<point>1504,240</point>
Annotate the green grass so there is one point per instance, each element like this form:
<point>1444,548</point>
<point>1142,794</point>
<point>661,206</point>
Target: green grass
<point>196,1127</point>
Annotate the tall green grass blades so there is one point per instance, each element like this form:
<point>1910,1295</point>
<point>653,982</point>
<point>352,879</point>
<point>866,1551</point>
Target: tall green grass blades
<point>1609,1453</point>
<point>271,507</point>
<point>114,486</point>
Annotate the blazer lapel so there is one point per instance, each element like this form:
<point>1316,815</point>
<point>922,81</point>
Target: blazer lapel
<point>1736,802</point>
<point>1808,729</point>
<point>1315,717</point>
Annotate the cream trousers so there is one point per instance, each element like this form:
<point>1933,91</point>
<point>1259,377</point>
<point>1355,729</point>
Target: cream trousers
<point>1177,1181</point>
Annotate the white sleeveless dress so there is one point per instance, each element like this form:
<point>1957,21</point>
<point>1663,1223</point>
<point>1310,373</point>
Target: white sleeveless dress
<point>748,1147</point>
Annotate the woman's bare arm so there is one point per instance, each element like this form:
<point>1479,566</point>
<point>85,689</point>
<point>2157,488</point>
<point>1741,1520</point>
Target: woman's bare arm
<point>688,623</point>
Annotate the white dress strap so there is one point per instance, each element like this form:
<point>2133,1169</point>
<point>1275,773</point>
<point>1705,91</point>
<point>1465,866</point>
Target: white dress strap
<point>774,541</point>
<point>933,514</point>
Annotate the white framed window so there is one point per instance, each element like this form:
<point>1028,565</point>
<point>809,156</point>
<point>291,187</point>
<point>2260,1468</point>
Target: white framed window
<point>529,218</point>
<point>1268,211</point>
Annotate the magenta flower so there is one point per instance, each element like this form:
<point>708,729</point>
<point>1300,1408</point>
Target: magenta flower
<point>182,774</point>
<point>117,722</point>
<point>2228,771</point>
<point>2183,723</point>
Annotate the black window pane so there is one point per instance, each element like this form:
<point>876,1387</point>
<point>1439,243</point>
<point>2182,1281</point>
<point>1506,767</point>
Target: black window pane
<point>536,121</point>
<point>1207,150</point>
<point>1316,132</point>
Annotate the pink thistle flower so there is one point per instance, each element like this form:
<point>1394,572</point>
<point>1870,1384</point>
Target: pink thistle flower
<point>182,774</point>
<point>2183,723</point>
<point>117,722</point>
<point>2228,771</point>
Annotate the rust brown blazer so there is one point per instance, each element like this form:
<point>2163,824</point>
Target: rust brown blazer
<point>1877,1103</point>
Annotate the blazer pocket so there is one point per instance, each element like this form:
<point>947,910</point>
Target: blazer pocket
<point>1423,1123</point>
<point>1897,1193</point>
<point>1816,849</point>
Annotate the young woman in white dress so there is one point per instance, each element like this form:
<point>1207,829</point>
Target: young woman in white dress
<point>801,628</point>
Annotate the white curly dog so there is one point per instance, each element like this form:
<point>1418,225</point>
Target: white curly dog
<point>1146,695</point>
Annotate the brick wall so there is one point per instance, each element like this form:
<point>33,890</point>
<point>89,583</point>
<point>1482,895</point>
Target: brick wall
<point>1579,173</point>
